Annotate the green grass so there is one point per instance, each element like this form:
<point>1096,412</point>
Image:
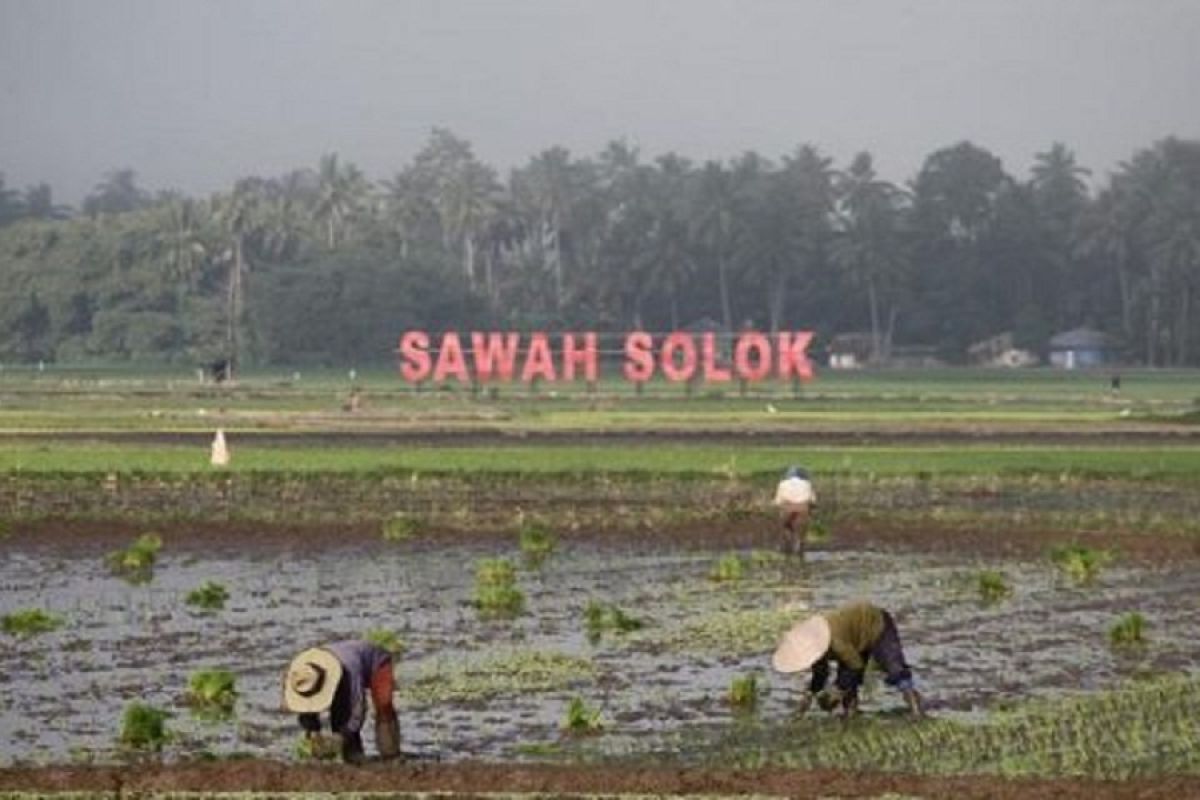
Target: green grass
<point>992,586</point>
<point>600,618</point>
<point>401,527</point>
<point>136,562</point>
<point>537,542</point>
<point>517,672</point>
<point>1175,462</point>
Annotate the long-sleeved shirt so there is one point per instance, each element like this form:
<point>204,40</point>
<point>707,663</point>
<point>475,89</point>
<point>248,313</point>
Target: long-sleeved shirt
<point>854,630</point>
<point>359,661</point>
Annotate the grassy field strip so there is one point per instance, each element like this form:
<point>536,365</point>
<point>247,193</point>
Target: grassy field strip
<point>710,460</point>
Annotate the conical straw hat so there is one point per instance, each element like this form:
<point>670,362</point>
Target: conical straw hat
<point>803,645</point>
<point>311,681</point>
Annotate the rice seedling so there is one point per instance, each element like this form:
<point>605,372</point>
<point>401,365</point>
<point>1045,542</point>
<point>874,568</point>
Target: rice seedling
<point>744,692</point>
<point>1080,563</point>
<point>729,568</point>
<point>496,592</point>
<point>600,617</point>
<point>537,543</point>
<point>760,559</point>
<point>144,727</point>
<point>992,586</point>
<point>210,596</point>
<point>29,622</point>
<point>387,639</point>
<point>818,532</point>
<point>136,562</point>
<point>506,673</point>
<point>580,718</point>
<point>1129,631</point>
<point>212,692</point>
<point>400,527</point>
<point>317,748</point>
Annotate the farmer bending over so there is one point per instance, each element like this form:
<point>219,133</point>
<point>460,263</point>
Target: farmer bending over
<point>796,499</point>
<point>850,635</point>
<point>336,678</point>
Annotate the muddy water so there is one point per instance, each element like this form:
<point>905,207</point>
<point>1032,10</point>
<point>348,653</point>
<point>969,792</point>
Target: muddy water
<point>62,693</point>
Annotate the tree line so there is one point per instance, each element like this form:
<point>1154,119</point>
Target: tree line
<point>323,265</point>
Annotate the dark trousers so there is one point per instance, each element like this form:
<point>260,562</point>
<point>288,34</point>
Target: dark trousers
<point>889,655</point>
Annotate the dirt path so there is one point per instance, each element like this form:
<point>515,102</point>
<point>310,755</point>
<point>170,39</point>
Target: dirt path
<point>469,779</point>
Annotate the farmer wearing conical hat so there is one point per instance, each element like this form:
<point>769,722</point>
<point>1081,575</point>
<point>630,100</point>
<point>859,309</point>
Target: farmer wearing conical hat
<point>796,499</point>
<point>850,636</point>
<point>337,678</point>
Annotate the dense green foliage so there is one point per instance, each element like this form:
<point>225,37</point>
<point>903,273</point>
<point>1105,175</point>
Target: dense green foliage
<point>324,266</point>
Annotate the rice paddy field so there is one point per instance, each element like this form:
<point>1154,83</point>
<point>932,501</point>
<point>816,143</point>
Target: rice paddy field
<point>583,587</point>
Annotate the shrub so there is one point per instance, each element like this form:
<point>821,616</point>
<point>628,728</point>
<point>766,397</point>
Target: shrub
<point>136,562</point>
<point>728,568</point>
<point>1080,563</point>
<point>144,727</point>
<point>537,543</point>
<point>580,718</point>
<point>1128,631</point>
<point>388,640</point>
<point>30,622</point>
<point>744,692</point>
<point>210,596</point>
<point>212,690</point>
<point>992,586</point>
<point>401,526</point>
<point>496,592</point>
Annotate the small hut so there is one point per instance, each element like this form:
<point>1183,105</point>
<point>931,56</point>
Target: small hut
<point>1080,348</point>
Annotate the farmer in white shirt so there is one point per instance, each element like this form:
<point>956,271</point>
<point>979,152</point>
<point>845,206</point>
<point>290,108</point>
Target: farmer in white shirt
<point>795,499</point>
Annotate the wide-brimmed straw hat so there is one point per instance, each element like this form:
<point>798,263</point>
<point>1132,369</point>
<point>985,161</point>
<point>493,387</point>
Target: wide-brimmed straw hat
<point>803,645</point>
<point>311,681</point>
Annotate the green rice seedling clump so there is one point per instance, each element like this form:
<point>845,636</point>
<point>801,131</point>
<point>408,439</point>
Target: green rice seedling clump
<point>30,622</point>
<point>317,748</point>
<point>387,639</point>
<point>581,718</point>
<point>600,618</point>
<point>729,568</point>
<point>210,596</point>
<point>992,586</point>
<point>401,527</point>
<point>144,727</point>
<point>537,543</point>
<point>212,689</point>
<point>506,673</point>
<point>818,532</point>
<point>1080,563</point>
<point>136,562</point>
<point>1129,631</point>
<point>496,591</point>
<point>744,692</point>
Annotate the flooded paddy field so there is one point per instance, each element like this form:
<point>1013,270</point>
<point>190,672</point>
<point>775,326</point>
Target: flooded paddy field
<point>472,687</point>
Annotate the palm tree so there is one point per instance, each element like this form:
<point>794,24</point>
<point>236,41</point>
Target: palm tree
<point>470,200</point>
<point>868,244</point>
<point>237,214</point>
<point>712,228</point>
<point>341,192</point>
<point>117,193</point>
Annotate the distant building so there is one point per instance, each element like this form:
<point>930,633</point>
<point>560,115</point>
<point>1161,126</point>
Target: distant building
<point>1080,348</point>
<point>999,351</point>
<point>849,350</point>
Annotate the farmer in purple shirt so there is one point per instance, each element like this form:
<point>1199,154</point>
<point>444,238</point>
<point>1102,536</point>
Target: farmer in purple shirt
<point>336,678</point>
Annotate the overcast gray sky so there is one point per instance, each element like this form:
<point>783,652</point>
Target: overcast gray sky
<point>193,94</point>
